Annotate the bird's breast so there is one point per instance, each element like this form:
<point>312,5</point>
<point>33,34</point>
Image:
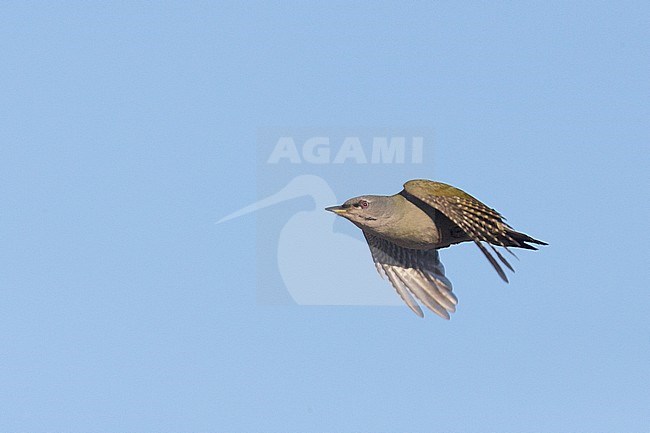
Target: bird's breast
<point>421,229</point>
<point>411,228</point>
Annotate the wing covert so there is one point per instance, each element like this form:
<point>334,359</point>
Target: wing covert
<point>480,222</point>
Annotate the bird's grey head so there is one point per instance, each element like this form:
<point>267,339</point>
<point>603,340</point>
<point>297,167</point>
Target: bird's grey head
<point>365,211</point>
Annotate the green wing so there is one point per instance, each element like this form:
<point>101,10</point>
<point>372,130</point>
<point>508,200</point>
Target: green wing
<point>480,222</point>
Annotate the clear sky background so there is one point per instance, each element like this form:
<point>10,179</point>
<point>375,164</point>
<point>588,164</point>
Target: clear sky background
<point>128,129</point>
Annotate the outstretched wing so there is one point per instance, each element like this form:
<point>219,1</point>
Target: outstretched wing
<point>480,222</point>
<point>416,273</point>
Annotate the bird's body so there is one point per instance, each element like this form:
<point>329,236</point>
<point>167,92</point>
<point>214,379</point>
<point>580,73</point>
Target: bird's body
<point>426,229</point>
<point>405,230</point>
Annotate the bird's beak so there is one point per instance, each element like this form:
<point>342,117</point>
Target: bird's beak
<point>339,210</point>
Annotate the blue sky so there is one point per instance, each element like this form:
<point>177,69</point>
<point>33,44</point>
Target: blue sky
<point>128,129</point>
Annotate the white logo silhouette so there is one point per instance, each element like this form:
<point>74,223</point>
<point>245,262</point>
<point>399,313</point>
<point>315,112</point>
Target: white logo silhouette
<point>317,265</point>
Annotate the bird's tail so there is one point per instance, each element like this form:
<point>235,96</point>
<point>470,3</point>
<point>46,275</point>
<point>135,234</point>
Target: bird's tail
<point>522,240</point>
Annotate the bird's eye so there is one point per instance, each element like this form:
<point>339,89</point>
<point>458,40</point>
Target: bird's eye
<point>363,204</point>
